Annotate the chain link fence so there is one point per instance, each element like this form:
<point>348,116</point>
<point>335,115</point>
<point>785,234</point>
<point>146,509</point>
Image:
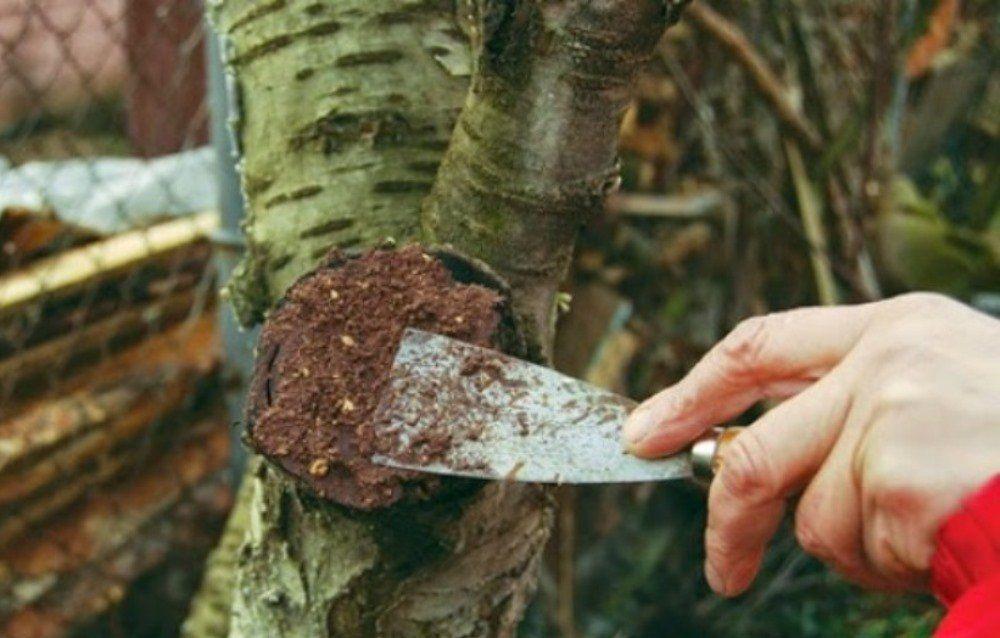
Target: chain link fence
<point>113,442</point>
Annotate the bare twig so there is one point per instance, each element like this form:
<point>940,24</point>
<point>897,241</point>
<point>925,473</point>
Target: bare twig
<point>684,207</point>
<point>732,38</point>
<point>811,209</point>
<point>565,575</point>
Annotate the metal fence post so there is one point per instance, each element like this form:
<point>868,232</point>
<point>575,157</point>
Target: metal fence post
<point>229,243</point>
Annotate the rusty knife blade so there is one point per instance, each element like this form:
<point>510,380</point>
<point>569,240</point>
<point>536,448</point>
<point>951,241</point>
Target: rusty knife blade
<point>456,409</point>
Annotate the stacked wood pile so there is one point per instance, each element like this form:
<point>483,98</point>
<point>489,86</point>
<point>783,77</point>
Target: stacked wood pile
<point>113,445</point>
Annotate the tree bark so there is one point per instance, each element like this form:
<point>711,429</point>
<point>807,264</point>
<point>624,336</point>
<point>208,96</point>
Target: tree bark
<point>346,109</point>
<point>535,149</point>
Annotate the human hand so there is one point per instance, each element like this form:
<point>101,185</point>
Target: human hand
<point>892,417</point>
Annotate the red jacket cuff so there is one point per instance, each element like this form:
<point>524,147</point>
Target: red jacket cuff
<point>976,614</point>
<point>968,545</point>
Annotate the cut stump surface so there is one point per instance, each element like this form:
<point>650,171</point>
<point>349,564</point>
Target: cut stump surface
<point>324,358</point>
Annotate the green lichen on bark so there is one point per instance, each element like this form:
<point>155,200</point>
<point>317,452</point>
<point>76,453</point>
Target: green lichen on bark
<point>297,564</point>
<point>534,152</point>
<point>345,109</point>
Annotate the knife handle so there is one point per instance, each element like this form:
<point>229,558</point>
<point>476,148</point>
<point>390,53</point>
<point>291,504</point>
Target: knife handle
<point>707,452</point>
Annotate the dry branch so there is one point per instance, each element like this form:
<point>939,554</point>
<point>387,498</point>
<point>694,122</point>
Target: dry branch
<point>91,432</point>
<point>37,510</point>
<point>58,480</point>
<point>54,315</point>
<point>103,409</point>
<point>701,205</point>
<point>106,521</point>
<point>190,340</point>
<point>73,268</point>
<point>732,38</point>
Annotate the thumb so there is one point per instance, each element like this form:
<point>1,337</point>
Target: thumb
<point>773,356</point>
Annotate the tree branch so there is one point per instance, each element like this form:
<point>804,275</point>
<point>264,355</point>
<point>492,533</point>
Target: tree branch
<point>534,152</point>
<point>746,55</point>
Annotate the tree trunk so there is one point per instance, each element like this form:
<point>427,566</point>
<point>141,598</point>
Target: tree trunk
<point>346,110</point>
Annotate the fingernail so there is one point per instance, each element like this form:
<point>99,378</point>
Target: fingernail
<point>638,426</point>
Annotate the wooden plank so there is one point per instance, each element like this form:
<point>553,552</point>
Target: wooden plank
<point>79,266</point>
<point>58,314</point>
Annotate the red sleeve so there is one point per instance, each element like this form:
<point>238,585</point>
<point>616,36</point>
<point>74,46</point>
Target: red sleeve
<point>965,570</point>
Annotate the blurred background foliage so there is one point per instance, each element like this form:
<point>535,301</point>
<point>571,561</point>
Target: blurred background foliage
<point>778,154</point>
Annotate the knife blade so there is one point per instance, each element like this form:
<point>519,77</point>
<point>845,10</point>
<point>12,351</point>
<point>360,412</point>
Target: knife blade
<point>457,409</point>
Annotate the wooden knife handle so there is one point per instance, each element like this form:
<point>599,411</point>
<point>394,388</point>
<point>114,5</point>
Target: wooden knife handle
<point>707,453</point>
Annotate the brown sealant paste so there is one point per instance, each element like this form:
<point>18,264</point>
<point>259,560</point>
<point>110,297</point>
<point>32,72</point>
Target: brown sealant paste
<point>324,357</point>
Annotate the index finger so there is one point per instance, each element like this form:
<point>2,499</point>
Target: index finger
<point>772,356</point>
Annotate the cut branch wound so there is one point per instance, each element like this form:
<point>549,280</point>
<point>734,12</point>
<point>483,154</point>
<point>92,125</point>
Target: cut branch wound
<point>324,359</point>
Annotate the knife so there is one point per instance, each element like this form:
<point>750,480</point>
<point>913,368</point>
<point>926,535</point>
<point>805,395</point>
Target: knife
<point>457,409</point>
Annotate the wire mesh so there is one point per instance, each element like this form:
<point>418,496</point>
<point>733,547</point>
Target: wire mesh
<point>113,443</point>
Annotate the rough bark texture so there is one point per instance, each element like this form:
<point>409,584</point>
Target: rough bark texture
<point>534,152</point>
<point>346,109</point>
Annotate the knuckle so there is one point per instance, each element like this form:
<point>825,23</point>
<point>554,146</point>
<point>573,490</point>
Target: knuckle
<point>682,400</point>
<point>898,362</point>
<point>891,495</point>
<point>920,301</point>
<point>881,469</point>
<point>907,320</point>
<point>743,349</point>
<point>898,395</point>
<point>746,473</point>
<point>897,343</point>
<point>890,483</point>
<point>809,538</point>
<point>883,557</point>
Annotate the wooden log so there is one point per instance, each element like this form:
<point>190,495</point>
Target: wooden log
<point>80,266</point>
<point>63,354</point>
<point>136,406</point>
<point>57,314</point>
<point>51,486</point>
<point>194,337</point>
<point>39,430</point>
<point>96,589</point>
<point>35,511</point>
<point>83,433</point>
<point>36,569</point>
